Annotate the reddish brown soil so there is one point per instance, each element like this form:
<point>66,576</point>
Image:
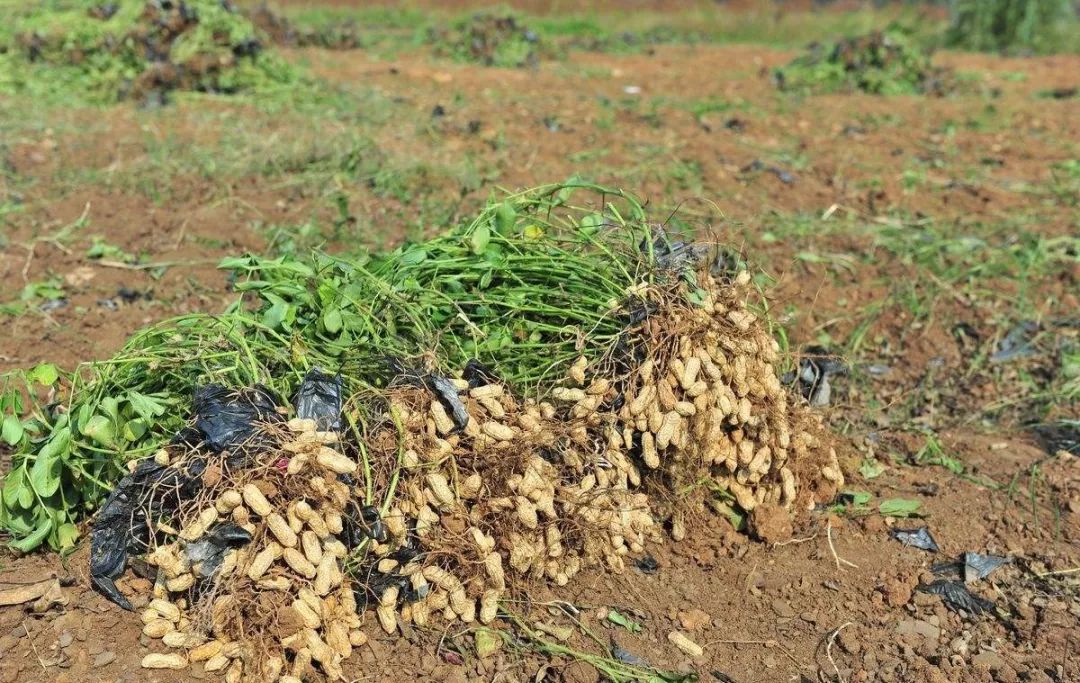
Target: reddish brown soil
<point>797,609</point>
<point>761,613</point>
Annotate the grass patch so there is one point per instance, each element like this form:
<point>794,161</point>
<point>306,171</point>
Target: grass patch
<point>1033,26</point>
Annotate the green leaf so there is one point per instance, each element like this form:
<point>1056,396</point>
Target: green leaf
<point>236,263</point>
<point>100,429</point>
<point>14,482</point>
<point>414,256</point>
<point>274,317</point>
<point>332,321</point>
<point>871,468</point>
<point>44,526</point>
<point>111,408</point>
<point>45,374</point>
<point>591,224</point>
<point>21,521</point>
<point>855,498</point>
<point>479,239</point>
<point>26,495</point>
<point>722,507</point>
<point>12,430</point>
<point>66,535</point>
<point>533,232</point>
<point>134,430</point>
<point>45,474</point>
<point>620,620</point>
<point>11,402</point>
<point>900,507</point>
<point>563,195</point>
<point>505,218</point>
<point>145,406</point>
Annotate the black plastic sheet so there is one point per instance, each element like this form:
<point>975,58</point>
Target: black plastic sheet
<point>477,374</point>
<point>811,378</point>
<point>978,566</point>
<point>447,394</point>
<point>443,389</point>
<point>916,538</point>
<point>122,526</point>
<point>319,398</point>
<point>647,565</point>
<point>209,551</point>
<point>673,254</point>
<point>627,657</point>
<point>957,597</point>
<point>226,419</point>
<point>1062,435</point>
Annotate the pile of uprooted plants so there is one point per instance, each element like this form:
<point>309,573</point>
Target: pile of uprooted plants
<point>543,391</point>
<point>887,62</point>
<point>137,49</point>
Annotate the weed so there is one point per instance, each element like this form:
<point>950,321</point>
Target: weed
<point>100,249</point>
<point>1010,25</point>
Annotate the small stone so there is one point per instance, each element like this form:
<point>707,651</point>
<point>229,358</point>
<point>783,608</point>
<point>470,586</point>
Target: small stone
<point>104,659</point>
<point>694,619</point>
<point>66,639</point>
<point>959,645</point>
<point>988,659</point>
<point>849,641</point>
<point>770,523</point>
<point>918,627</point>
<point>782,608</point>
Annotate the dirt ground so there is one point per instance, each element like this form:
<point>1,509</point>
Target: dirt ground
<point>885,225</point>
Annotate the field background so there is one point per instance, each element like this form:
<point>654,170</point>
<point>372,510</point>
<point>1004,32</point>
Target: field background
<point>925,239</point>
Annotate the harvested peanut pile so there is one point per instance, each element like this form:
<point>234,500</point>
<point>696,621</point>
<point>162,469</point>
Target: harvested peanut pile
<point>479,492</point>
<point>493,490</point>
<point>491,501</point>
<point>278,606</point>
<point>695,398</point>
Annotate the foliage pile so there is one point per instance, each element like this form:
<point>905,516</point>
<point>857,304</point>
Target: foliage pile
<point>880,63</point>
<point>324,311</point>
<point>1010,25</point>
<point>523,286</point>
<point>446,496</point>
<point>137,49</point>
<point>341,35</point>
<point>535,286</point>
<point>489,39</point>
